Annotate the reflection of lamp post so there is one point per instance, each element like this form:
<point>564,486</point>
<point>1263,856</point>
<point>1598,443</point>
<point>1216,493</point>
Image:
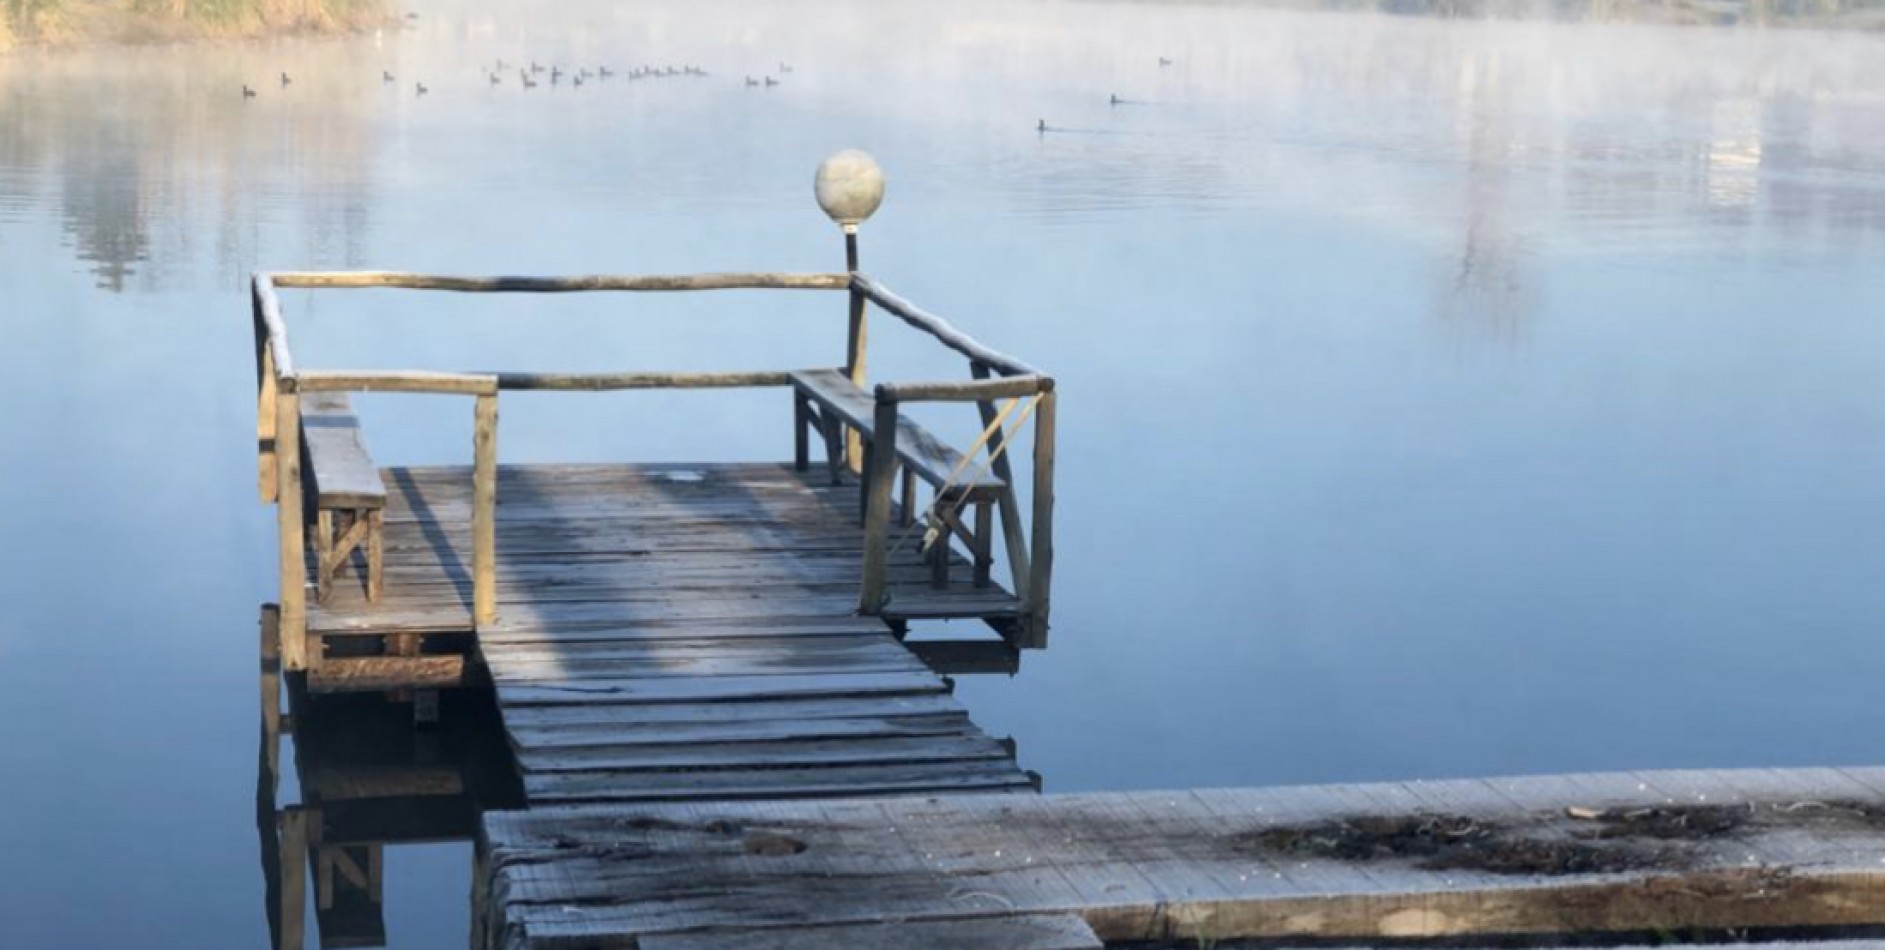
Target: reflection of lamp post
<point>850,186</point>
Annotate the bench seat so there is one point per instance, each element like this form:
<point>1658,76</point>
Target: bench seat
<point>348,495</point>
<point>928,457</point>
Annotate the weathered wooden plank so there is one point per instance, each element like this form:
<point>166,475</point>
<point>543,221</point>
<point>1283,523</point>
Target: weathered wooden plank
<point>847,750</point>
<point>343,472</point>
<point>738,784</point>
<point>1471,857</point>
<point>387,672</point>
<point>1029,932</point>
<point>717,688</point>
<point>661,716</point>
<point>626,733</point>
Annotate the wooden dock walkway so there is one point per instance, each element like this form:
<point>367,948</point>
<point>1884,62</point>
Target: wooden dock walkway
<point>1655,852</point>
<point>676,631</point>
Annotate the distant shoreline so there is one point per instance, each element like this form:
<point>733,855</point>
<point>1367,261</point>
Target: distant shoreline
<point>1849,15</point>
<point>64,24</point>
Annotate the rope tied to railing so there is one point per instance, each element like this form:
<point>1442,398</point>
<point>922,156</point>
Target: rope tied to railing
<point>935,523</point>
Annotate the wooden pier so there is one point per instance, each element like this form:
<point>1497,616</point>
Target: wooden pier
<point>720,735</point>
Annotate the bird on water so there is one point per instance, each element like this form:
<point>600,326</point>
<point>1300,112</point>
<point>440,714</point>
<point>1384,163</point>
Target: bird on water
<point>771,81</point>
<point>285,81</point>
<point>750,81</point>
<point>1116,99</point>
<point>1042,127</point>
<point>247,93</point>
<point>1162,61</point>
<point>419,89</point>
<point>385,77</point>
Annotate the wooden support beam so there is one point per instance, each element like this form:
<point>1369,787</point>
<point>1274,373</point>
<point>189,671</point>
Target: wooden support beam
<point>878,485</point>
<point>266,456</point>
<point>606,382</point>
<point>1011,533</point>
<point>939,328</point>
<point>291,525</point>
<point>397,381</point>
<point>1041,566</point>
<point>727,281</point>
<point>977,391</point>
<point>857,347</point>
<point>484,512</point>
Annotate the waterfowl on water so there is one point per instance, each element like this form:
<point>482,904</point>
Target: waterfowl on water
<point>578,81</point>
<point>784,68</point>
<point>247,93</point>
<point>771,81</point>
<point>385,76</point>
<point>285,81</point>
<point>529,83</point>
<point>1116,99</point>
<point>750,81</point>
<point>1162,61</point>
<point>419,89</point>
<point>495,79</point>
<point>1042,127</point>
<point>604,72</point>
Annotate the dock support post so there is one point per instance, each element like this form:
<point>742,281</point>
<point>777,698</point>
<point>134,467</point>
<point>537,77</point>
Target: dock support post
<point>878,483</point>
<point>1041,570</point>
<point>857,354</point>
<point>291,522</point>
<point>484,512</point>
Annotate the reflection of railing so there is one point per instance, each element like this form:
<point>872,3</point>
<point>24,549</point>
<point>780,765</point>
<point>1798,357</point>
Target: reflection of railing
<point>994,377</point>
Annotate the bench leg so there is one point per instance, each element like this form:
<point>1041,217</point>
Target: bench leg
<point>801,431</point>
<point>376,555</point>
<point>324,566</point>
<point>983,544</point>
<point>834,447</point>
<point>909,496</point>
<point>939,559</point>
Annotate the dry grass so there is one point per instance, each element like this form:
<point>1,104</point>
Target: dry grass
<point>71,22</point>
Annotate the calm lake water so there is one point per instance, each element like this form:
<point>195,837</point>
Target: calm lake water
<point>1439,398</point>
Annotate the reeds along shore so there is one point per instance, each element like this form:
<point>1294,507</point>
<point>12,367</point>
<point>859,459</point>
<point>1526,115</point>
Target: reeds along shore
<point>72,22</point>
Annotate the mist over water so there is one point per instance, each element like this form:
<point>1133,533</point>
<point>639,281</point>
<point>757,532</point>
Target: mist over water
<point>1440,397</point>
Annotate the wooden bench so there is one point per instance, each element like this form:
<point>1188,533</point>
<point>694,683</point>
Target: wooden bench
<point>346,492</point>
<point>827,400</point>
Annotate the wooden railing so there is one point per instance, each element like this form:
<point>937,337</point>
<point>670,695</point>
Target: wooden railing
<point>993,376</point>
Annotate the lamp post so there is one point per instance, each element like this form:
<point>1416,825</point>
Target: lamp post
<point>850,187</point>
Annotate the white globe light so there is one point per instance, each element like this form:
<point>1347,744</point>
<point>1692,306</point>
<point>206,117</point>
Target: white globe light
<point>849,186</point>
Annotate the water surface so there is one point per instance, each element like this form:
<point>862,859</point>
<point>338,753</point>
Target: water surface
<point>1439,398</point>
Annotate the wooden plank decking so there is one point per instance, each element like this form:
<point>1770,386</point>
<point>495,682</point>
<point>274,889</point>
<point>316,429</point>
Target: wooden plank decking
<point>1660,851</point>
<point>674,632</point>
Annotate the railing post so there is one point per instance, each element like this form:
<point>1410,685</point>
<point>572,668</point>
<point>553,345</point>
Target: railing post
<point>877,488</point>
<point>290,521</point>
<point>484,512</point>
<point>857,349</point>
<point>1041,569</point>
<point>265,387</point>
